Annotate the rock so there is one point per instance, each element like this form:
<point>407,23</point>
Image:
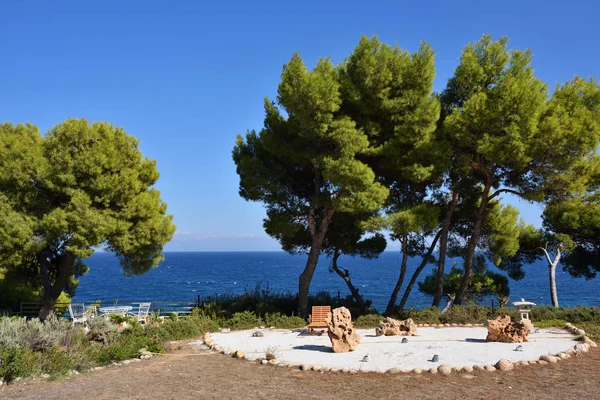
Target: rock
<point>404,340</point>
<point>393,327</point>
<point>454,324</point>
<point>445,369</point>
<point>580,348</point>
<point>563,356</point>
<point>502,330</point>
<point>417,370</point>
<point>258,334</point>
<point>273,362</point>
<point>524,363</point>
<point>468,369</point>
<point>468,377</point>
<point>478,368</point>
<point>570,351</point>
<point>469,325</point>
<point>325,369</point>
<point>542,362</point>
<point>549,358</point>
<point>490,368</point>
<point>354,371</point>
<point>125,362</point>
<point>532,362</point>
<point>394,370</point>
<point>504,365</point>
<point>580,332</point>
<point>568,325</point>
<point>342,334</point>
<point>589,341</point>
<point>305,367</point>
<point>457,369</point>
<point>447,325</point>
<point>334,370</point>
<point>316,368</point>
<point>419,325</point>
<point>425,325</point>
<point>0,382</point>
<point>263,362</point>
<point>227,330</point>
<point>345,370</point>
<point>435,358</point>
<point>433,371</point>
<point>239,354</point>
<point>44,376</point>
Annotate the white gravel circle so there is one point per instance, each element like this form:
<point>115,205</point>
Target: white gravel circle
<point>457,347</point>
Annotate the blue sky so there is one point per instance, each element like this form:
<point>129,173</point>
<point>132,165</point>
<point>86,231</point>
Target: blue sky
<point>186,76</point>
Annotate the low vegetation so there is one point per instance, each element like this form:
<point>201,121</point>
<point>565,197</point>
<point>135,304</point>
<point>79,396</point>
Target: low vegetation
<point>56,348</point>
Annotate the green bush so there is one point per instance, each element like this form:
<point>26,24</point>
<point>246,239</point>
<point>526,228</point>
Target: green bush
<point>56,362</point>
<point>550,323</point>
<point>101,330</point>
<point>18,361</point>
<point>281,321</point>
<point>39,336</point>
<point>244,320</point>
<point>11,330</point>
<point>368,321</point>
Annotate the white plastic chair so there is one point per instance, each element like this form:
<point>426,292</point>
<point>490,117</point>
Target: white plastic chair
<point>77,313</point>
<point>143,312</point>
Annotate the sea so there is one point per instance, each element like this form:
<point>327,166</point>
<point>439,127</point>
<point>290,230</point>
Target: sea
<point>183,276</point>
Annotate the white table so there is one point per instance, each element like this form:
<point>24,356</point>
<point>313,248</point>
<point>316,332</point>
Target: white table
<point>118,310</point>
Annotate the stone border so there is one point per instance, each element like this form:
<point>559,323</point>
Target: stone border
<point>501,365</point>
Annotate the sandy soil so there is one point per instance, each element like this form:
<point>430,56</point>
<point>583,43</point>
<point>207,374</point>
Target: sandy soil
<point>191,373</point>
<point>457,347</point>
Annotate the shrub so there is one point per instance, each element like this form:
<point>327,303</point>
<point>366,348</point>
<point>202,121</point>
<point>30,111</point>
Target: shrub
<point>244,320</point>
<point>11,330</point>
<point>39,336</point>
<point>368,321</point>
<point>56,362</point>
<point>101,330</point>
<point>18,361</point>
<point>279,320</point>
<point>550,323</point>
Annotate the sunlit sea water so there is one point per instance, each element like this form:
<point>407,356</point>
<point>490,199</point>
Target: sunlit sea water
<point>183,276</point>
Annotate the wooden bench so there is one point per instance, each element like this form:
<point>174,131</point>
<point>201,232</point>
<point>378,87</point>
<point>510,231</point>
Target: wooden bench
<point>318,319</point>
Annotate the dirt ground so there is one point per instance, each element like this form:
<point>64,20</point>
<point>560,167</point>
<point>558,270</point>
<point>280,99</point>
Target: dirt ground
<point>190,373</point>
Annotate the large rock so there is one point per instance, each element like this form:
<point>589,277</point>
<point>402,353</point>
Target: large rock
<point>393,327</point>
<point>342,334</point>
<point>503,330</point>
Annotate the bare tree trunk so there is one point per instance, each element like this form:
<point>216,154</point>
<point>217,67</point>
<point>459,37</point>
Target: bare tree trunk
<point>345,275</point>
<point>449,304</point>
<point>472,244</point>
<point>552,264</point>
<point>317,232</point>
<point>394,296</point>
<point>420,268</point>
<point>443,247</point>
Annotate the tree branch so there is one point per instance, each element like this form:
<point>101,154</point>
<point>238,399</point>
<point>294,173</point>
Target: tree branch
<point>500,191</point>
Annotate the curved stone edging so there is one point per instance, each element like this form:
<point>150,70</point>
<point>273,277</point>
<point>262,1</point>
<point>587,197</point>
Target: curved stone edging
<point>501,365</point>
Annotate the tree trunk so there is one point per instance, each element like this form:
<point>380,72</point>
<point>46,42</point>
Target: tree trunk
<point>345,275</point>
<point>394,296</point>
<point>472,244</point>
<point>420,268</point>
<point>552,264</point>
<point>317,232</point>
<point>443,247</point>
<point>53,290</point>
<point>449,304</point>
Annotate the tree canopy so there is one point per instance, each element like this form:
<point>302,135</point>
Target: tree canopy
<point>81,186</point>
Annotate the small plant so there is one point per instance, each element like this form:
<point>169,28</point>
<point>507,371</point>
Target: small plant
<point>174,316</point>
<point>281,321</point>
<point>101,330</point>
<point>368,321</point>
<point>244,320</point>
<point>271,353</point>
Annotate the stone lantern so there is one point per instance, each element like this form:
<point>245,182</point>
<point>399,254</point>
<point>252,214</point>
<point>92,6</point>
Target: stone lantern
<point>524,308</point>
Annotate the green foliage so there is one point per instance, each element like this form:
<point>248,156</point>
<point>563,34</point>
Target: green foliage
<point>101,330</point>
<point>244,320</point>
<point>281,321</point>
<point>367,321</point>
<point>80,186</point>
<point>551,323</point>
<point>33,334</point>
<point>17,362</point>
<point>483,283</point>
<point>56,362</point>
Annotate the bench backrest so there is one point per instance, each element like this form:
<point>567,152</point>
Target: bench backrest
<point>319,313</point>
